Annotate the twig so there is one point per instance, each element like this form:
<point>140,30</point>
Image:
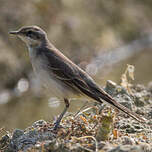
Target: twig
<point>84,137</point>
<point>80,112</point>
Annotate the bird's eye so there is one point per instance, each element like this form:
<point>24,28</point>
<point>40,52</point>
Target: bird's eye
<point>29,33</point>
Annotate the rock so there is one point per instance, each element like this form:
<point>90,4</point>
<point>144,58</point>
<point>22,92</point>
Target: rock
<point>113,89</point>
<point>139,87</point>
<point>127,141</point>
<point>150,114</point>
<point>139,102</point>
<point>125,126</point>
<point>110,87</point>
<point>124,100</point>
<point>39,123</point>
<point>142,96</point>
<point>126,148</point>
<point>140,111</point>
<point>131,130</point>
<point>23,140</point>
<point>4,140</point>
<point>17,133</point>
<point>132,148</point>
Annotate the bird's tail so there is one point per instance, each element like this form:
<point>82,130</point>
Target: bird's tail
<point>120,107</point>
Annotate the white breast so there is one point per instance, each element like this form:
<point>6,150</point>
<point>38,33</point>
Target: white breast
<point>47,78</point>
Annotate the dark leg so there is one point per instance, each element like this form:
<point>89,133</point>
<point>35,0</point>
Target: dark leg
<point>62,114</point>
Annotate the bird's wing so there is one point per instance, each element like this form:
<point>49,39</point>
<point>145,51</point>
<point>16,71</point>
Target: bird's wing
<point>71,75</point>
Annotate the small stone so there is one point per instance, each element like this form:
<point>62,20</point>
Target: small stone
<point>124,126</point>
<point>137,127</point>
<point>139,102</point>
<point>17,133</point>
<point>32,133</point>
<point>39,123</point>
<point>150,114</point>
<point>140,111</point>
<point>51,145</point>
<point>121,90</point>
<point>126,104</point>
<point>131,130</point>
<point>139,87</point>
<point>4,141</point>
<point>110,87</point>
<point>125,100</point>
<point>126,148</point>
<point>127,141</point>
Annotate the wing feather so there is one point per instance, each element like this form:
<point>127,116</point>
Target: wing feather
<point>71,75</point>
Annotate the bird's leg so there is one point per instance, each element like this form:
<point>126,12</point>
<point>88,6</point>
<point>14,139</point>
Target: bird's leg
<point>62,114</point>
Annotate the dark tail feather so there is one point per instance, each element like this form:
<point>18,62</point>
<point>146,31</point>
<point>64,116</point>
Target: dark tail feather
<point>120,107</point>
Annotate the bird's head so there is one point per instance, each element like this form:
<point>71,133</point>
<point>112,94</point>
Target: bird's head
<point>33,36</point>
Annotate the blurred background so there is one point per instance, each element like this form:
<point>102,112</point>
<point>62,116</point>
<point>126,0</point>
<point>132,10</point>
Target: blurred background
<point>101,36</point>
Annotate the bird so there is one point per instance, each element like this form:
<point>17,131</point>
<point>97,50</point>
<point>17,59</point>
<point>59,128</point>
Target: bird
<point>63,78</point>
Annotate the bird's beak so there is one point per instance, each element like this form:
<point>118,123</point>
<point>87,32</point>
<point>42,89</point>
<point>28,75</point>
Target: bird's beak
<point>14,32</point>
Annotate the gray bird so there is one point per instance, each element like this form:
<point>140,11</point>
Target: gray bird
<point>60,75</point>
